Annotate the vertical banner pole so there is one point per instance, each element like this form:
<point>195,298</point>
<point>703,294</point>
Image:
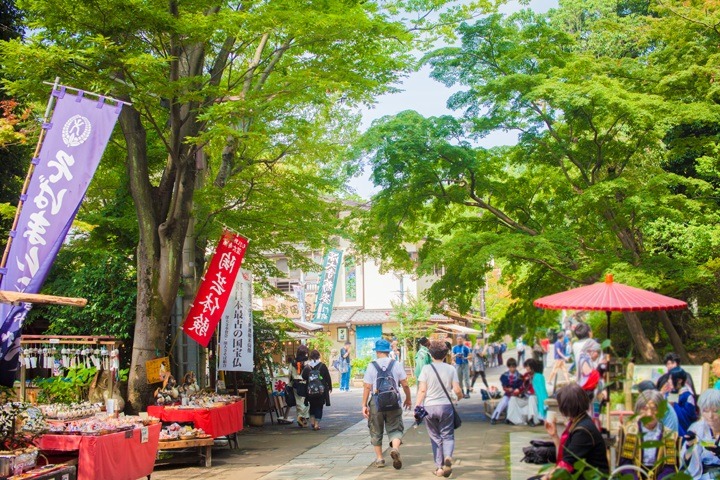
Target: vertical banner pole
<point>31,169</point>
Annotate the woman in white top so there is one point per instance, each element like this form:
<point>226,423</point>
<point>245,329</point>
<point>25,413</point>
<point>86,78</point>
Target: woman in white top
<point>434,399</point>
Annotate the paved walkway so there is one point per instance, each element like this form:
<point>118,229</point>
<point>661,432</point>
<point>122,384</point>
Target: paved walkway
<point>341,450</point>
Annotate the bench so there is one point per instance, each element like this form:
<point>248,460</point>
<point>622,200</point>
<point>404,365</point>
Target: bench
<point>203,447</point>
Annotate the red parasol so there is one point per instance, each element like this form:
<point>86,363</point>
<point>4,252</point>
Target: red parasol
<point>610,297</point>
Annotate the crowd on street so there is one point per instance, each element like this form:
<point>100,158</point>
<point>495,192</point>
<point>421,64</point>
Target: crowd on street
<point>669,411</point>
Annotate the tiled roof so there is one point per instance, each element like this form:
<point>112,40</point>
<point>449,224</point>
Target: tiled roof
<point>342,315</point>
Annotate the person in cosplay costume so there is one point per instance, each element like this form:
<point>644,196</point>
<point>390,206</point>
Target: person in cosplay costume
<point>512,384</point>
<point>527,407</point>
<point>700,453</point>
<point>678,393</point>
<point>658,461</point>
<point>300,386</point>
<point>581,440</point>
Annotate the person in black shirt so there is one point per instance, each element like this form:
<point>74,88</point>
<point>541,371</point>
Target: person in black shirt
<point>581,439</point>
<point>317,403</point>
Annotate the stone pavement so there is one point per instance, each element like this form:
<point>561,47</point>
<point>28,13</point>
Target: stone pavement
<point>341,450</point>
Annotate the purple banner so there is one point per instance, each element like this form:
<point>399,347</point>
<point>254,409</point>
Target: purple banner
<point>74,143</point>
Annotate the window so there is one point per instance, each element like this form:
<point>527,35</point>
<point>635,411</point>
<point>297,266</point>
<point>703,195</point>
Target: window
<point>282,265</point>
<point>285,286</point>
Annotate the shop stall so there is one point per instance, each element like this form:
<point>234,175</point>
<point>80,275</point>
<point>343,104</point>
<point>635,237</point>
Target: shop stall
<point>98,457</point>
<point>220,419</point>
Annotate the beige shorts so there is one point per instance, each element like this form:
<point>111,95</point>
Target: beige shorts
<point>391,422</point>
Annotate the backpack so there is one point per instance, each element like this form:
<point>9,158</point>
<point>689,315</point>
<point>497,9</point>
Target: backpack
<point>315,385</point>
<point>539,452</point>
<point>387,396</point>
<point>503,348</point>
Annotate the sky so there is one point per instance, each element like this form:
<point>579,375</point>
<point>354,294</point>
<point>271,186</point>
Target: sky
<point>421,93</point>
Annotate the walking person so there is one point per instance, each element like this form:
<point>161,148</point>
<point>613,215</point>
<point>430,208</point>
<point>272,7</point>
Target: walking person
<point>560,359</point>
<point>490,354</point>
<point>422,357</point>
<point>435,380</point>
<point>520,347</point>
<point>478,355</point>
<point>317,377</point>
<point>300,386</point>
<point>381,403</point>
<point>345,367</point>
<point>461,359</point>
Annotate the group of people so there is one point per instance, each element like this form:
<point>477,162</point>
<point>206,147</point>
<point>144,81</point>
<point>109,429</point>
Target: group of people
<point>673,429</point>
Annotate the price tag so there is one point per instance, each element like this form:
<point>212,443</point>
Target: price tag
<point>144,435</point>
<point>128,433</point>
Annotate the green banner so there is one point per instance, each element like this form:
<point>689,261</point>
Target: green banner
<point>326,287</point>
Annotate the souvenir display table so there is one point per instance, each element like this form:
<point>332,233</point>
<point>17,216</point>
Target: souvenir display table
<point>217,421</point>
<point>48,472</point>
<point>114,456</point>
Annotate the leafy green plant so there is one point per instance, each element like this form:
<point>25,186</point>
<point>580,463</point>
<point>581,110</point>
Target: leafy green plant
<point>322,343</point>
<point>360,364</point>
<point>412,316</point>
<point>73,387</point>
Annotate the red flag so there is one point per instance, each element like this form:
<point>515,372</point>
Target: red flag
<point>214,291</point>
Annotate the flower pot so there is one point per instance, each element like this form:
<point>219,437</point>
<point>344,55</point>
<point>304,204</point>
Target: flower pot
<point>256,419</point>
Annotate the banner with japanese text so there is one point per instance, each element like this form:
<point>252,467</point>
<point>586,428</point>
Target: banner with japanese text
<point>326,287</point>
<point>235,346</point>
<point>75,139</point>
<point>214,291</point>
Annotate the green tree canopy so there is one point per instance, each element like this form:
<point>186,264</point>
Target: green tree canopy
<point>585,190</point>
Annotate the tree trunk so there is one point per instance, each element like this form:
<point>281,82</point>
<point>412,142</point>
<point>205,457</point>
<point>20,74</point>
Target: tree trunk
<point>642,343</point>
<point>674,337</point>
<point>159,253</point>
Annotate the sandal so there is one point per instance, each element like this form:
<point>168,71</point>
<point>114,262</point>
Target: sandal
<point>379,463</point>
<point>438,472</point>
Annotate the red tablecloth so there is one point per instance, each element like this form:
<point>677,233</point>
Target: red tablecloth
<point>109,457</point>
<point>218,422</point>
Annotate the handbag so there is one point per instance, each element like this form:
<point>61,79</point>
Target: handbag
<point>289,396</point>
<point>457,421</point>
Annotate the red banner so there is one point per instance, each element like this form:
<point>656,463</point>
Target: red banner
<point>214,291</point>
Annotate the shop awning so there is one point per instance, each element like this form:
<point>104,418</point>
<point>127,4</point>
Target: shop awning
<point>307,326</point>
<point>458,329</point>
<point>466,317</point>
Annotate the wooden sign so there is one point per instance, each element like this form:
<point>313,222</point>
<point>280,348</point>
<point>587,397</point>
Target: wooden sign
<point>157,369</point>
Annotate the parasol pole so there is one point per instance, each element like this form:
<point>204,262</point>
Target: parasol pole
<point>608,313</point>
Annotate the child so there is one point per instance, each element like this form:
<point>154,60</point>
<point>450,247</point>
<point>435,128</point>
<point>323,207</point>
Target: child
<point>512,384</point>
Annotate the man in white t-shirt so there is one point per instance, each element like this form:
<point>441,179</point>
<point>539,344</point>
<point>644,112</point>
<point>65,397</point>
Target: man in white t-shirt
<point>391,420</point>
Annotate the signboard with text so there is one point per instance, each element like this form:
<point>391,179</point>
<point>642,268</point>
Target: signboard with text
<point>326,287</point>
<point>235,346</point>
<point>214,291</point>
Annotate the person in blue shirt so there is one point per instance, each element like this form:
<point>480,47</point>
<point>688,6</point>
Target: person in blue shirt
<point>461,360</point>
<point>512,384</point>
<point>679,395</point>
<point>560,358</point>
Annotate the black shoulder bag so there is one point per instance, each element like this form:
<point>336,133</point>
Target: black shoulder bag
<point>457,421</point>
